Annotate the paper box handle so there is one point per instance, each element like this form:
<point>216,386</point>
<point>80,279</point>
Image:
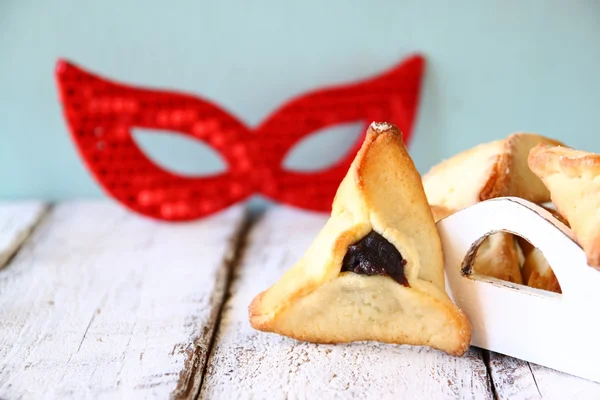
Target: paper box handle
<point>463,231</point>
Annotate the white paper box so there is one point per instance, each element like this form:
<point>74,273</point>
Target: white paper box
<point>560,331</point>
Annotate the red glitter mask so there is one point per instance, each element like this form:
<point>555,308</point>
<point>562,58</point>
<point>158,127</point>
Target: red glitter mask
<point>101,114</point>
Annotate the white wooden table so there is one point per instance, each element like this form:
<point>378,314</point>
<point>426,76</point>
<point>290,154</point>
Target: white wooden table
<point>96,302</point>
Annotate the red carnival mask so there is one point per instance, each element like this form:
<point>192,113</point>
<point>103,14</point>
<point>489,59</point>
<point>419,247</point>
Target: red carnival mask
<point>101,113</point>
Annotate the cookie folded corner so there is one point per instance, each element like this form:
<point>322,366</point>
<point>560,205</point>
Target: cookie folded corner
<point>375,270</point>
<point>573,179</point>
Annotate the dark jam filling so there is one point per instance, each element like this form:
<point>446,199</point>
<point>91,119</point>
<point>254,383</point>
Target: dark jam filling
<point>374,255</point>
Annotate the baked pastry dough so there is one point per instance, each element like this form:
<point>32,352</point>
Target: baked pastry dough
<point>487,171</point>
<point>498,256</point>
<point>537,272</point>
<point>573,178</point>
<point>380,216</point>
<point>440,212</point>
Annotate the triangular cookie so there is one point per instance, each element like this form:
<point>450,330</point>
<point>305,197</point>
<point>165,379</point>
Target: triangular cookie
<point>375,271</point>
<point>498,256</point>
<point>487,171</point>
<point>573,178</point>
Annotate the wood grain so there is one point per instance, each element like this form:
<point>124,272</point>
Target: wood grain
<point>250,364</point>
<point>518,379</point>
<point>103,303</point>
<point>17,221</point>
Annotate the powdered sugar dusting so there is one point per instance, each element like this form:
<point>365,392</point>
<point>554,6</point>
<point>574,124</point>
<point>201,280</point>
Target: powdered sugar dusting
<point>381,126</point>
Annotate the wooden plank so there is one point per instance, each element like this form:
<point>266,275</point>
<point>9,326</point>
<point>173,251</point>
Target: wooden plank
<point>514,378</point>
<point>250,364</point>
<point>17,221</point>
<point>103,303</point>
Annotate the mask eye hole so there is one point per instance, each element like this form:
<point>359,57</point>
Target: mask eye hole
<point>179,154</point>
<point>323,148</point>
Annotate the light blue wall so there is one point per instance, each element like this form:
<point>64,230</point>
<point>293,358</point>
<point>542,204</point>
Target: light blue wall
<point>494,68</point>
